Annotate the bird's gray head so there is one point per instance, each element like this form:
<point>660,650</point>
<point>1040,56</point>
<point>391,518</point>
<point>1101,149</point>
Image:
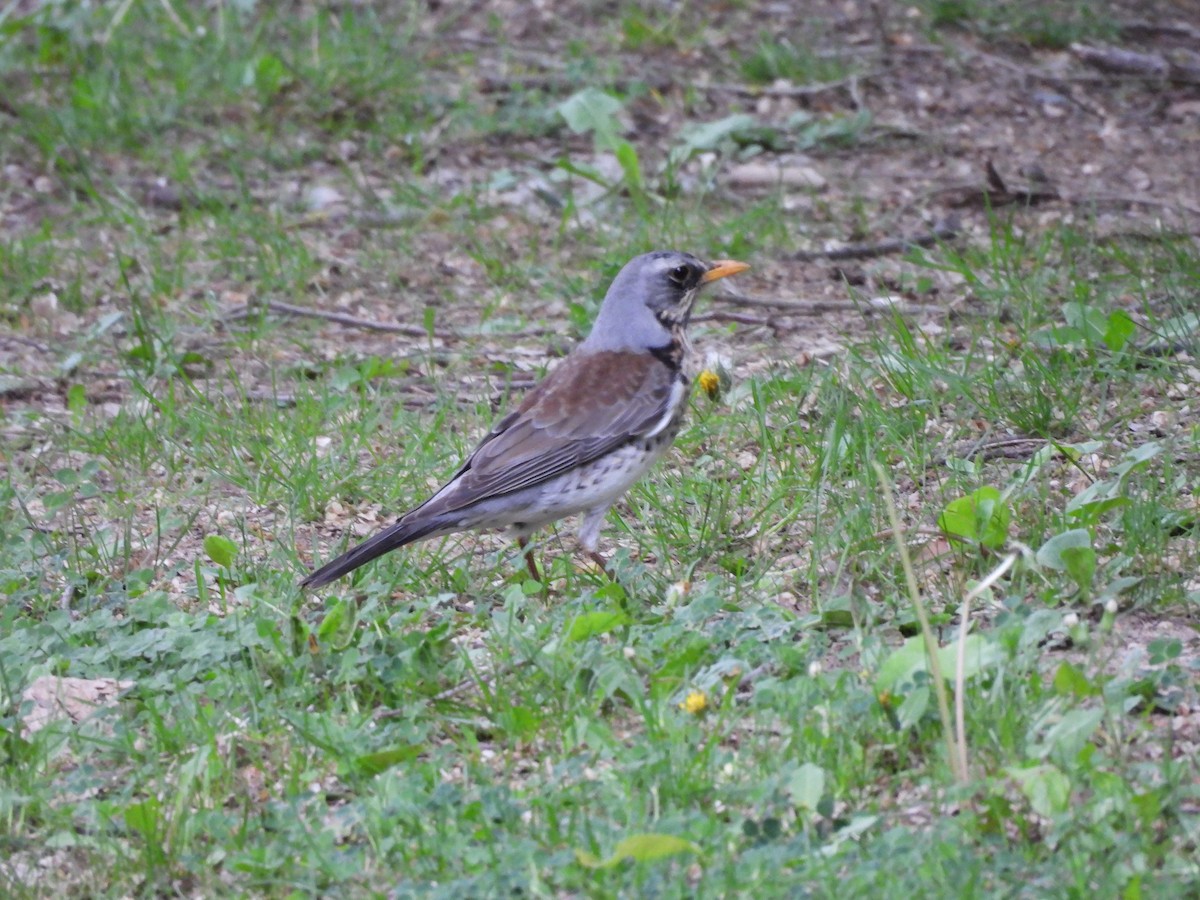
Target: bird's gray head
<point>651,297</point>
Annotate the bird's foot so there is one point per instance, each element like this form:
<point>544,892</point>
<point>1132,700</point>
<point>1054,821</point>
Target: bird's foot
<point>599,565</point>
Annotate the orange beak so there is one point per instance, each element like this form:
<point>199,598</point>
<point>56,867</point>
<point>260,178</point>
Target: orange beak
<point>721,268</point>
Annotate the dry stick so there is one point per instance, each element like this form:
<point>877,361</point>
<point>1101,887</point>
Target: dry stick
<point>943,231</point>
<point>1128,62</point>
<point>796,307</point>
<point>798,90</point>
<point>1155,29</point>
<point>739,318</point>
<point>1174,203</point>
<point>27,341</point>
<point>931,647</point>
<point>347,319</point>
<point>499,83</point>
<point>372,325</point>
<point>819,307</point>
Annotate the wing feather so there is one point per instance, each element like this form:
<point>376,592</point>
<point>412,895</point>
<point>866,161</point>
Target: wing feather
<point>587,407</point>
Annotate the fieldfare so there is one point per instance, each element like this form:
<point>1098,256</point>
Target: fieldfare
<point>583,435</point>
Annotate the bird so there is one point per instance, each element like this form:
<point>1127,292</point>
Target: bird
<point>584,434</point>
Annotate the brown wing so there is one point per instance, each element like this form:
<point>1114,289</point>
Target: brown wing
<point>588,406</point>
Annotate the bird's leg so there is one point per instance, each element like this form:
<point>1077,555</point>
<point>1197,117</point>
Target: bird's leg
<point>589,538</point>
<point>601,563</point>
<point>523,543</point>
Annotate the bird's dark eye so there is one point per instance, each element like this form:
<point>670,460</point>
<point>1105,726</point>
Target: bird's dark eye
<point>680,274</point>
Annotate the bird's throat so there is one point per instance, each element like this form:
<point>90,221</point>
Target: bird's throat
<point>674,353</point>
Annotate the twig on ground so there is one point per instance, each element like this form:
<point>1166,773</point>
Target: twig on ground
<point>849,84</point>
<point>1174,203</point>
<point>492,84</point>
<point>943,231</point>
<point>27,341</point>
<point>340,318</point>
<point>247,309</point>
<point>1160,29</point>
<point>988,448</point>
<point>738,318</point>
<point>280,400</point>
<point>996,192</point>
<point>1120,61</point>
<point>821,307</point>
<point>1169,348</point>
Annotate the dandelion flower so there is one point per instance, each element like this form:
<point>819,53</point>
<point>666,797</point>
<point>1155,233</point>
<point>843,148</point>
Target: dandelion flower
<point>709,382</point>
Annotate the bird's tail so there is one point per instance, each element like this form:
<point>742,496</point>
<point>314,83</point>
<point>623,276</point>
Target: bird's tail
<point>402,532</point>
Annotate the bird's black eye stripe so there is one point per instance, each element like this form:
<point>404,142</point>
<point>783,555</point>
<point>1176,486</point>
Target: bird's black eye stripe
<point>680,275</point>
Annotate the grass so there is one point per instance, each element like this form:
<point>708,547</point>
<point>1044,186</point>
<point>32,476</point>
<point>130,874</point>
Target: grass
<point>1054,25</point>
<point>749,710</point>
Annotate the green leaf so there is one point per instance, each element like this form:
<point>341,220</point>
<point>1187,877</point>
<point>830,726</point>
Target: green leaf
<point>591,860</point>
<point>900,666</point>
<point>144,818</point>
<point>630,166</point>
<point>1057,336</point>
<point>981,517</point>
<point>220,550</point>
<point>593,110</point>
<point>1097,499</point>
<point>332,621</point>
<point>1051,553</point>
<point>1120,329</point>
<point>899,669</point>
<point>1164,650</point>
<point>640,848</point>
<point>699,138</point>
<point>521,722</point>
<point>370,764</point>
<point>1089,321</point>
<point>594,623</point>
<point>1080,563</point>
<point>269,75</point>
<point>807,786</point>
<point>1138,457</point>
<point>913,707</point>
<point>1070,682</point>
<point>1046,788</point>
<point>588,173</point>
<point>337,628</point>
<point>1068,735</point>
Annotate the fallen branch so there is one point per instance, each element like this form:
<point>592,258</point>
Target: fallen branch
<point>943,231</point>
<point>500,83</point>
<point>344,319</point>
<point>247,309</point>
<point>1174,203</point>
<point>738,318</point>
<point>1128,62</point>
<point>849,83</point>
<point>27,341</point>
<point>996,192</point>
<point>988,448</point>
<point>820,307</point>
<point>1160,29</point>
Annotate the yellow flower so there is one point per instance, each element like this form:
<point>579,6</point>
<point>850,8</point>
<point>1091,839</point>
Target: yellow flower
<point>710,383</point>
<point>695,703</point>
